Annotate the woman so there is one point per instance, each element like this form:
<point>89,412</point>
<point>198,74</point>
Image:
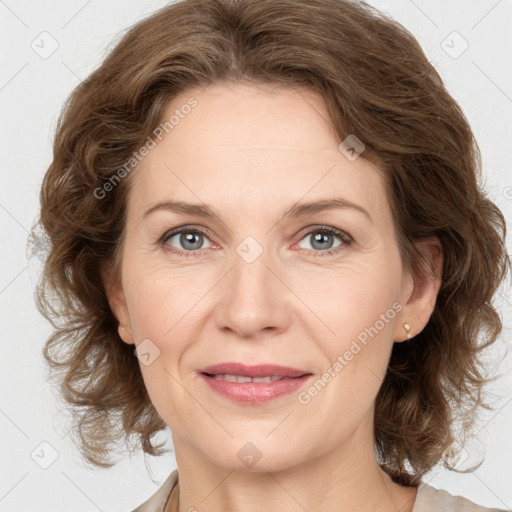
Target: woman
<point>268,234</point>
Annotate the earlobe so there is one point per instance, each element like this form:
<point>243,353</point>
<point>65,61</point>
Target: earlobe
<point>125,334</point>
<point>422,298</point>
<point>117,302</point>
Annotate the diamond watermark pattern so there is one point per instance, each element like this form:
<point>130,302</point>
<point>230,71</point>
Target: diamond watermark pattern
<point>44,455</point>
<point>45,45</point>
<point>249,249</point>
<point>249,454</point>
<point>147,352</point>
<point>351,147</point>
<point>454,45</point>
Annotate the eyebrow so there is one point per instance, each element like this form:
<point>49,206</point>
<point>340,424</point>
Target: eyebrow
<point>297,210</point>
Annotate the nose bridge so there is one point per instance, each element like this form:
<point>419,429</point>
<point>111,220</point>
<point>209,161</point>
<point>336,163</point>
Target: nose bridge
<point>252,297</point>
<point>251,277</point>
<point>250,267</point>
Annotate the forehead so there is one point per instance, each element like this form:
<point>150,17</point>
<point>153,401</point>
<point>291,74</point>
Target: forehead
<point>248,144</point>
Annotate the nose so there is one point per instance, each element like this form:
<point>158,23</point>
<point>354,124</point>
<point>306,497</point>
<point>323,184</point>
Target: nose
<point>254,298</point>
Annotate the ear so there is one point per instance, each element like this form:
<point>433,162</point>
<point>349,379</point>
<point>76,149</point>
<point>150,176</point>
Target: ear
<point>117,302</point>
<point>420,291</point>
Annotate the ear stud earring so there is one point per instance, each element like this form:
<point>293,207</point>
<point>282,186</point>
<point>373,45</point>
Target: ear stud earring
<point>407,327</point>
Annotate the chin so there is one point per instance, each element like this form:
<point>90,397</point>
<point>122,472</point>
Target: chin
<point>255,456</point>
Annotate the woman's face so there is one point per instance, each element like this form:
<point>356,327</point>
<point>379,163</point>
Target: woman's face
<point>258,286</point>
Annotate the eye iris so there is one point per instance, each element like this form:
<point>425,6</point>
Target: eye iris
<point>320,237</point>
<point>188,237</point>
<point>192,240</point>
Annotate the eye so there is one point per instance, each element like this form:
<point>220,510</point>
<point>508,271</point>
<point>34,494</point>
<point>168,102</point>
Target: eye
<point>189,240</point>
<point>322,239</point>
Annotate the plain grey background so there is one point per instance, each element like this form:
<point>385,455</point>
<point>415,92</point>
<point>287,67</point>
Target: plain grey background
<point>47,48</point>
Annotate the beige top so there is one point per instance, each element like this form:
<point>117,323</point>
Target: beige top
<point>428,499</point>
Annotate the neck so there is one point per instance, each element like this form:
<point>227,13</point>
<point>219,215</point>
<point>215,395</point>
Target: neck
<point>342,479</point>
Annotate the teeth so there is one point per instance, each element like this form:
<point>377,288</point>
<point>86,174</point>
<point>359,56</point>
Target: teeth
<point>239,378</point>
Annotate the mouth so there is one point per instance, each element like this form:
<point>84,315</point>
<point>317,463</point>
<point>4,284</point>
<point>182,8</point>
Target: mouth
<point>242,378</point>
<point>257,371</point>
<point>253,384</point>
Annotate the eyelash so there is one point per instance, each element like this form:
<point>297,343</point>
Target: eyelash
<point>345,238</point>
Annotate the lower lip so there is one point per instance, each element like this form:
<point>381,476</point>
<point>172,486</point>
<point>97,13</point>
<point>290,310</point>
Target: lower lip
<point>254,392</point>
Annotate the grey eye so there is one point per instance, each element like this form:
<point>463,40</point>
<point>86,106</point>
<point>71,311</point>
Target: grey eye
<point>189,240</point>
<point>321,240</point>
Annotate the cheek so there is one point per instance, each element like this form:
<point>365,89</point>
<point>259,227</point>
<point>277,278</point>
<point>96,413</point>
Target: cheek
<point>356,364</point>
<point>161,313</point>
<point>349,301</point>
<point>165,312</point>
<point>159,302</point>
<point>360,307</point>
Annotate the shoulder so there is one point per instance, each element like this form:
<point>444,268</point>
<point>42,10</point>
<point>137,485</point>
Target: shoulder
<point>428,499</point>
<point>157,502</point>
<point>431,499</point>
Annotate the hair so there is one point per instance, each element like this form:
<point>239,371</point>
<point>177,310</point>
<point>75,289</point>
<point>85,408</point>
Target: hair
<point>378,85</point>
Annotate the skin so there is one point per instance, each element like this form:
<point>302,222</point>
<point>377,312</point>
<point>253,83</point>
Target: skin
<point>251,152</point>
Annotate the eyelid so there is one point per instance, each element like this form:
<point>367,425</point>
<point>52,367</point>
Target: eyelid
<point>345,237</point>
<point>341,233</point>
<point>185,227</point>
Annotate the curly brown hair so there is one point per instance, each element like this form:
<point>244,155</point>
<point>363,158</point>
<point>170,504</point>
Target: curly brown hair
<point>377,83</point>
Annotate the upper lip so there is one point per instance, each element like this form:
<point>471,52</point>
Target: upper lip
<point>260,370</point>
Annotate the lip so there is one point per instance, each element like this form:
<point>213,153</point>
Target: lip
<point>260,370</point>
<point>254,392</point>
